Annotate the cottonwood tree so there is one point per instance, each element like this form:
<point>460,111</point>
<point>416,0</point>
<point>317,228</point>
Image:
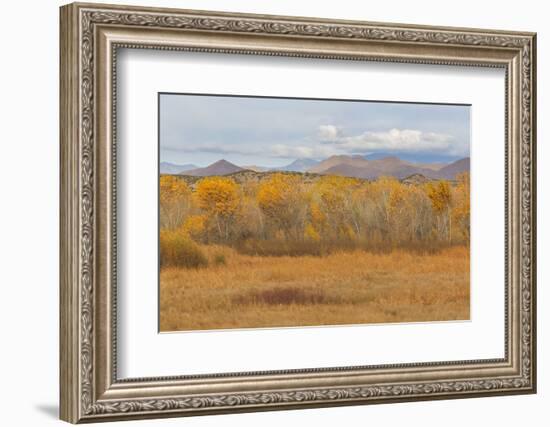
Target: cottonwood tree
<point>336,202</point>
<point>419,214</point>
<point>441,197</point>
<point>461,202</point>
<point>175,201</point>
<point>284,205</point>
<point>219,198</point>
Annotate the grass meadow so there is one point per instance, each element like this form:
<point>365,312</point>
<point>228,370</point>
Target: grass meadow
<point>344,287</point>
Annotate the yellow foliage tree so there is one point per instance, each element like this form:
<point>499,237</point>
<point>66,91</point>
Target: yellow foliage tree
<point>195,226</point>
<point>172,189</point>
<point>461,209</point>
<point>219,197</point>
<point>440,195</point>
<point>175,201</point>
<point>335,198</point>
<point>386,197</point>
<point>282,200</point>
<point>318,218</point>
<point>441,198</point>
<point>417,214</point>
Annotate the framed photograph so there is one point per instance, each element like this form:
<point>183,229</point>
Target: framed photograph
<point>266,212</point>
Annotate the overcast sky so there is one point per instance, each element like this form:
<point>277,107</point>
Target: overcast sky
<point>275,131</point>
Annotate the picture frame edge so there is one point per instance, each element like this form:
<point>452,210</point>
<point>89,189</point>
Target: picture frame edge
<point>79,401</point>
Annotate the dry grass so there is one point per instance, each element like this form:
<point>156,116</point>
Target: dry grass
<point>285,247</point>
<point>354,287</point>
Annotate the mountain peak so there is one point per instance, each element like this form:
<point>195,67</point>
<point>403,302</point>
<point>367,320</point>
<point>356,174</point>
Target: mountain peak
<point>220,167</point>
<point>222,162</point>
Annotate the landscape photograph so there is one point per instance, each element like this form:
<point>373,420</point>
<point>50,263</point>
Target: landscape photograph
<point>292,212</point>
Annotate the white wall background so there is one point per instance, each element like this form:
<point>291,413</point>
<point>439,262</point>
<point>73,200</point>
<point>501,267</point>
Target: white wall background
<point>29,171</point>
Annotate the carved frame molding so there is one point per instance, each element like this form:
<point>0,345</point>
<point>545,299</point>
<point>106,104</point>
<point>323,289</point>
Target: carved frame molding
<point>90,390</point>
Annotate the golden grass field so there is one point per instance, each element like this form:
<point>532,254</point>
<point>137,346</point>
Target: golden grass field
<point>244,291</point>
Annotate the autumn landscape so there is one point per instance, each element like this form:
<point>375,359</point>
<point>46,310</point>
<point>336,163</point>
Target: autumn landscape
<point>243,248</point>
<point>292,212</point>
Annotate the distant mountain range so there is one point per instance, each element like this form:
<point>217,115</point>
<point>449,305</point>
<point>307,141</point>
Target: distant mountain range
<point>299,165</point>
<point>366,167</point>
<point>174,169</point>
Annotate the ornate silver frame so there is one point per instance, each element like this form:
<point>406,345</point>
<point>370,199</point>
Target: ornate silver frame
<point>90,36</point>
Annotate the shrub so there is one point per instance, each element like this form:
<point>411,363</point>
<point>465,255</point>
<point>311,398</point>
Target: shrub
<point>178,250</point>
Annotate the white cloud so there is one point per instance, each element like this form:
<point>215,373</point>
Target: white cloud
<point>329,133</point>
<point>331,140</point>
<point>392,140</point>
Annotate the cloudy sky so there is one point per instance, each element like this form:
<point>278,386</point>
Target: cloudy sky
<point>275,131</point>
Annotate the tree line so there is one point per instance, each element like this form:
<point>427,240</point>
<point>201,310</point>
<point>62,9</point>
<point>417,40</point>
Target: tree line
<point>284,207</point>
